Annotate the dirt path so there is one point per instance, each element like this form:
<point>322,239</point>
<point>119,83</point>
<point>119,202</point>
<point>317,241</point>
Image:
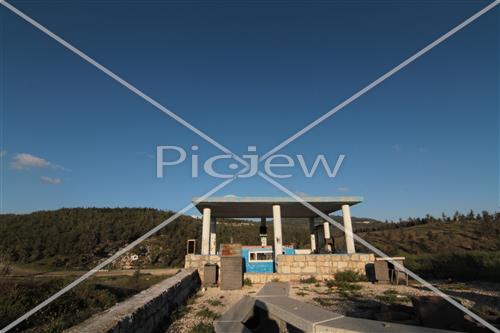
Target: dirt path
<point>18,272</point>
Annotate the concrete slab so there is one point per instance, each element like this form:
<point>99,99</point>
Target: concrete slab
<point>358,325</point>
<point>274,289</point>
<point>230,327</point>
<point>262,206</point>
<point>240,311</point>
<point>298,314</point>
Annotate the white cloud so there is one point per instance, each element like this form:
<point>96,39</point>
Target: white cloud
<point>3,153</point>
<point>50,180</point>
<point>25,161</point>
<point>343,189</point>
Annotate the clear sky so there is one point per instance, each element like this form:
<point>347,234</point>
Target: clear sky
<point>250,73</point>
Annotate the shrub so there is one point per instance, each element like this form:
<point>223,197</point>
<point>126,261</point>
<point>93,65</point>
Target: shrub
<point>202,328</point>
<point>310,279</point>
<point>207,313</point>
<point>330,283</point>
<point>391,296</point>
<point>247,282</point>
<point>214,302</point>
<point>350,276</point>
<point>323,301</point>
<point>342,285</point>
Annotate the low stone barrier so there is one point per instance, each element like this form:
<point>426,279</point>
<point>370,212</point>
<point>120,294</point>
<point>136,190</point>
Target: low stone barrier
<point>295,267</point>
<point>147,312</point>
<point>323,263</point>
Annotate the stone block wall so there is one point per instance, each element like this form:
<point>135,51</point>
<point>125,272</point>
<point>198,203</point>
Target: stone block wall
<point>146,312</point>
<point>198,261</point>
<point>295,267</point>
<point>323,264</point>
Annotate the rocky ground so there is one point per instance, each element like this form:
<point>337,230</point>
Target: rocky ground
<point>204,307</point>
<point>359,299</point>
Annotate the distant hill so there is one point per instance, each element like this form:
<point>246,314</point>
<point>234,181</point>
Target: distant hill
<point>75,238</point>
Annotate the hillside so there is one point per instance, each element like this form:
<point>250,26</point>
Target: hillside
<point>438,237</point>
<point>78,238</point>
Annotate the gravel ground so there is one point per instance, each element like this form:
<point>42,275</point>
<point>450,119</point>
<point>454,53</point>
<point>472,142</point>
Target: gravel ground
<point>364,300</point>
<point>215,300</point>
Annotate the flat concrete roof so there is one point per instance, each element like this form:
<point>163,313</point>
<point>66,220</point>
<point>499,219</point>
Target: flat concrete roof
<point>248,207</point>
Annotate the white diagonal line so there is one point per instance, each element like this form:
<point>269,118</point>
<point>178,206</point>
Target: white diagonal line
<point>378,252</point>
<point>121,80</point>
<point>381,79</point>
<point>113,257</point>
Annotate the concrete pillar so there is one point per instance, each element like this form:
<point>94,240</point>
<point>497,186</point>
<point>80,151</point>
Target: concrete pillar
<point>311,233</point>
<point>205,232</point>
<point>326,230</point>
<point>263,231</point>
<point>349,240</point>
<point>278,238</point>
<point>213,236</point>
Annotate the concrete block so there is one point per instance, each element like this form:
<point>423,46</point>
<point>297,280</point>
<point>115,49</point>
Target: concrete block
<point>357,325</point>
<point>301,315</point>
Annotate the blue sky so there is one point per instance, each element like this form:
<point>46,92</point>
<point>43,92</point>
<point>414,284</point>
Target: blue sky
<point>250,73</point>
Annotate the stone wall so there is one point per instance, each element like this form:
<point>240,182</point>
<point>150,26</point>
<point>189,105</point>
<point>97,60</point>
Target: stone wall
<point>147,312</point>
<point>198,261</point>
<point>323,263</point>
<point>295,267</point>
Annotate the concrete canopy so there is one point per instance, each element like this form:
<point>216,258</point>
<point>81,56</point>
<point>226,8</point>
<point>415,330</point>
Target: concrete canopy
<point>248,207</point>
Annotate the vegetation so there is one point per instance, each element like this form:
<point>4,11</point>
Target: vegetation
<point>471,265</point>
<point>214,302</point>
<point>349,276</point>
<point>310,280</point>
<point>460,247</point>
<point>391,296</point>
<point>202,328</point>
<point>247,282</point>
<point>342,285</point>
<point>92,296</point>
<point>324,302</point>
<point>207,313</point>
<point>463,246</point>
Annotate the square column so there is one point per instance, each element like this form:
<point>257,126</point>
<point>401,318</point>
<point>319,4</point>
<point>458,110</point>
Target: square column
<point>205,232</point>
<point>326,229</point>
<point>213,235</point>
<point>278,239</point>
<point>349,240</point>
<point>312,235</point>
